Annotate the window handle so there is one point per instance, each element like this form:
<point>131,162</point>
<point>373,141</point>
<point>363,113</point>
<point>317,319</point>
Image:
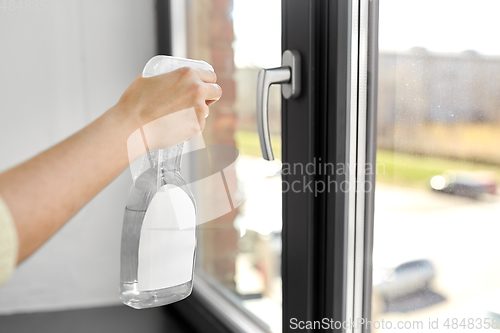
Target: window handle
<point>289,76</point>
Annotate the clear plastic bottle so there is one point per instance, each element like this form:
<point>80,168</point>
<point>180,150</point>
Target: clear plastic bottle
<point>159,229</point>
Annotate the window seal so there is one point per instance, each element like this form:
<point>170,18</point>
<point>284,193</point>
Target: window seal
<point>371,156</point>
<point>212,308</point>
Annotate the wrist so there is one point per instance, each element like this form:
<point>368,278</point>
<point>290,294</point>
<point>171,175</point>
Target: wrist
<point>123,120</point>
<point>127,130</point>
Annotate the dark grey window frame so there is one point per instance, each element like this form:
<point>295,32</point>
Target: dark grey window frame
<point>315,128</point>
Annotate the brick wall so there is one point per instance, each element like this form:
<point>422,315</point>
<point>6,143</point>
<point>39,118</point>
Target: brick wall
<point>210,38</point>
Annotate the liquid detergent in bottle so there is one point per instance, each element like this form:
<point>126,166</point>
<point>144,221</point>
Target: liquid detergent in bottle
<point>158,246</point>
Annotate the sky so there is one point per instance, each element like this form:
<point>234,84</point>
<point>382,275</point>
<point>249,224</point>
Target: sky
<point>438,25</point>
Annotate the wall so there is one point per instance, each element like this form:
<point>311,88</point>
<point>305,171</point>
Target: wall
<point>60,68</point>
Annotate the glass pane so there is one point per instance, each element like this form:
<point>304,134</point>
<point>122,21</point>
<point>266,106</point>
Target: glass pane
<point>241,250</point>
<point>436,253</point>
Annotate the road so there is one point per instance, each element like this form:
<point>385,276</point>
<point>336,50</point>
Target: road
<point>460,236</point>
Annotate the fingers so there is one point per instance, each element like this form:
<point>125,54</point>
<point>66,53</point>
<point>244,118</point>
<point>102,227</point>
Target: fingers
<point>201,113</point>
<point>207,76</point>
<point>210,91</point>
<point>205,92</point>
<point>213,92</point>
<point>207,88</point>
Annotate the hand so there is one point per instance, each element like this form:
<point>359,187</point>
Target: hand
<point>148,99</point>
<point>167,109</point>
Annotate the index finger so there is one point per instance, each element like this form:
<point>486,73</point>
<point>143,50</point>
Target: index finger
<point>207,76</point>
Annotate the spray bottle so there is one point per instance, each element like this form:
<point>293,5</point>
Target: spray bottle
<point>159,229</point>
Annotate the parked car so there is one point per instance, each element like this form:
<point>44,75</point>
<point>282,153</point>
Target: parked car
<point>405,279</point>
<point>465,184</point>
<point>490,305</point>
<point>485,306</point>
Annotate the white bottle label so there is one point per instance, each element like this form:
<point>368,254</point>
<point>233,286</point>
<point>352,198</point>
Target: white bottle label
<point>168,240</point>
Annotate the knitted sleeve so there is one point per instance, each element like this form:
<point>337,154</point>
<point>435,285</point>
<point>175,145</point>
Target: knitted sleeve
<point>8,243</point>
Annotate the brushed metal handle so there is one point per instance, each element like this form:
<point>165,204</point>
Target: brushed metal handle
<point>288,75</point>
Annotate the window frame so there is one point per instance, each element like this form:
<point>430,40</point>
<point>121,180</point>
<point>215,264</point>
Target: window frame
<point>362,158</point>
<point>317,229</point>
